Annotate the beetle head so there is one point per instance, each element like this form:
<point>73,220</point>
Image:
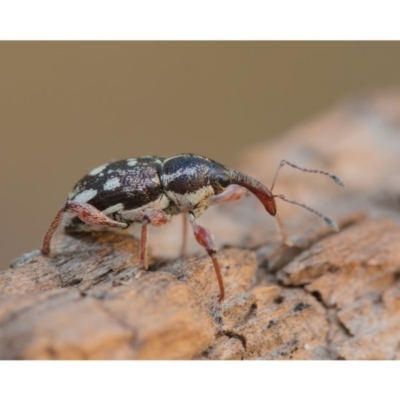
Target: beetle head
<point>220,177</point>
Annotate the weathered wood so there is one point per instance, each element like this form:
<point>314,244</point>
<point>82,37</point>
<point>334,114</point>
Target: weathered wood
<point>330,296</point>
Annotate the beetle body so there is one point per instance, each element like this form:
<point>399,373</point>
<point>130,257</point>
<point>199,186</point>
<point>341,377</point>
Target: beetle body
<point>124,190</point>
<point>150,190</point>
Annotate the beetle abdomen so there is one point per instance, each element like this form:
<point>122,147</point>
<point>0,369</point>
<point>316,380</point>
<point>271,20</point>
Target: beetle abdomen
<point>121,189</point>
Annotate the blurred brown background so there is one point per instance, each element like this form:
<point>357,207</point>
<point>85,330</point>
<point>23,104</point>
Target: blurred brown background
<point>67,107</point>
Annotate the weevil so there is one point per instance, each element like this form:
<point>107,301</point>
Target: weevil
<point>150,190</point>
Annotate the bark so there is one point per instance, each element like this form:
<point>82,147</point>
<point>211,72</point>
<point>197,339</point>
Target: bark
<point>326,296</point>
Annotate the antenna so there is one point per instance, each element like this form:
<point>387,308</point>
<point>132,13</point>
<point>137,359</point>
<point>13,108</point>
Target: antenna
<point>335,178</point>
<point>332,224</point>
<point>313,171</point>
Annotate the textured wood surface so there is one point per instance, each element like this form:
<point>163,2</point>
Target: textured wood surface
<point>329,296</point>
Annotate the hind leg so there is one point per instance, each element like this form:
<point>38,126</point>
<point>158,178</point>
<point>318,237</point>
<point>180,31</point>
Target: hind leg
<point>86,213</point>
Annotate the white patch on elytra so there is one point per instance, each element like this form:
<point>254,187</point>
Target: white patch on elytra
<point>113,209</point>
<point>72,194</point>
<point>97,170</point>
<point>155,180</point>
<point>131,162</point>
<point>85,196</point>
<point>112,184</point>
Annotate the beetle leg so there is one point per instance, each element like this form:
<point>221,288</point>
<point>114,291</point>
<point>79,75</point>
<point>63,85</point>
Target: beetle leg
<point>50,232</point>
<point>85,212</point>
<point>184,234</point>
<point>205,239</point>
<point>156,218</point>
<point>232,193</point>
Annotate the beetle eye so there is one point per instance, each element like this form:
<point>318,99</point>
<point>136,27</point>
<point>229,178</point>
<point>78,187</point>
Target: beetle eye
<point>224,180</point>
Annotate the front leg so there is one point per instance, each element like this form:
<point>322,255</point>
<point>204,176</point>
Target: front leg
<point>86,213</point>
<point>232,193</point>
<point>205,239</point>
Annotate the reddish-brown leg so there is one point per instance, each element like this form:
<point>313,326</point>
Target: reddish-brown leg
<point>184,233</point>
<point>232,193</point>
<point>50,232</point>
<point>155,218</point>
<point>86,213</point>
<point>205,239</point>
